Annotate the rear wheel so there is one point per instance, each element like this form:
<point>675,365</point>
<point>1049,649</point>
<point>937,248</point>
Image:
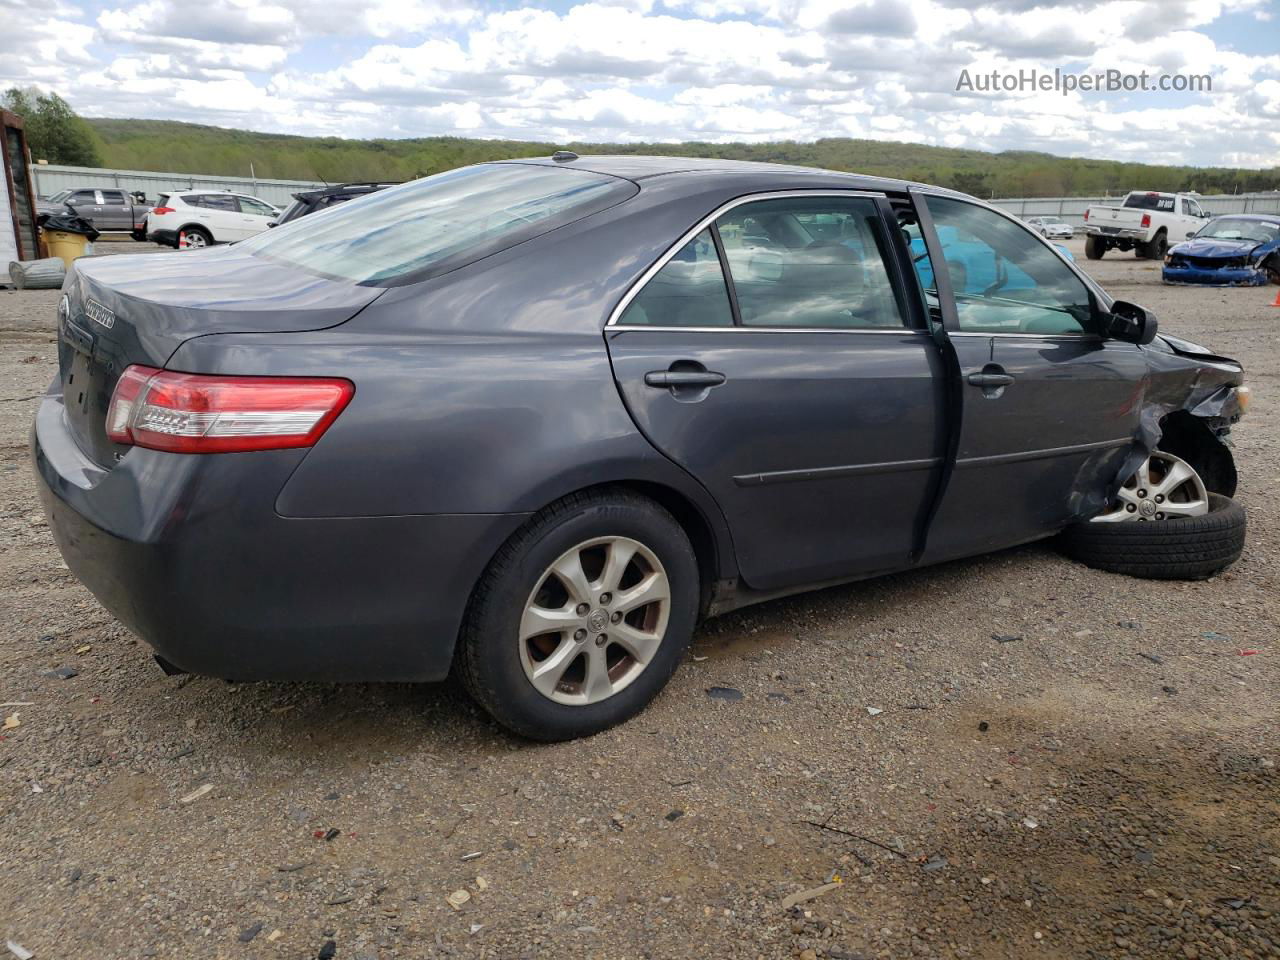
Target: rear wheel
<point>196,237</point>
<point>582,617</point>
<point>1094,247</point>
<point>1162,525</point>
<point>1155,250</point>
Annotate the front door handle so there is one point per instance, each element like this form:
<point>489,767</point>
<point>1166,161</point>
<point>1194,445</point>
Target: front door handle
<point>988,380</point>
<point>992,380</point>
<point>680,379</point>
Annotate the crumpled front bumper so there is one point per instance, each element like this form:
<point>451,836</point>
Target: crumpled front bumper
<point>1221,277</point>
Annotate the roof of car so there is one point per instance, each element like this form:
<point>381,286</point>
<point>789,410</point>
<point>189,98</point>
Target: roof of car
<point>639,167</point>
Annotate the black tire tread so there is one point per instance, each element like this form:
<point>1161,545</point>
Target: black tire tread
<point>1191,548</point>
<point>466,664</point>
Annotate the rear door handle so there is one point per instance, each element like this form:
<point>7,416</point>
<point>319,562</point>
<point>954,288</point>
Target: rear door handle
<point>989,380</point>
<point>677,379</point>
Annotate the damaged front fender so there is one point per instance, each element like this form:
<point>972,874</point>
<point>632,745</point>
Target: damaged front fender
<point>1188,385</point>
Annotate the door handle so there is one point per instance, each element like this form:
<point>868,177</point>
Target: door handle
<point>680,379</point>
<point>989,380</point>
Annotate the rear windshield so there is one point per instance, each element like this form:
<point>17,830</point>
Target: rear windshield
<point>1148,201</point>
<point>438,223</point>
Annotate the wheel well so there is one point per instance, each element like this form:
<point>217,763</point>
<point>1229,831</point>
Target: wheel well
<point>188,228</point>
<point>1187,436</point>
<point>695,527</point>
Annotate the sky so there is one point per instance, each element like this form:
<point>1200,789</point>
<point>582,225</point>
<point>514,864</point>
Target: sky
<point>644,70</point>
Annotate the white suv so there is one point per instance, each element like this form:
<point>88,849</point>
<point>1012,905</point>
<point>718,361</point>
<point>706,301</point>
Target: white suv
<point>205,217</point>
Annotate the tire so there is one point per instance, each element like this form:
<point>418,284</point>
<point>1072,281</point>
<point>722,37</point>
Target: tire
<point>1094,247</point>
<point>1187,548</point>
<point>197,237</point>
<point>139,235</point>
<point>493,660</point>
<point>1156,249</point>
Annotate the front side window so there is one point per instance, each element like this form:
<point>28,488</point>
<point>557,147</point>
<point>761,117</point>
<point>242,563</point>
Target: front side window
<point>438,223</point>
<point>255,207</point>
<point>689,291</point>
<point>810,262</point>
<point>1005,279</point>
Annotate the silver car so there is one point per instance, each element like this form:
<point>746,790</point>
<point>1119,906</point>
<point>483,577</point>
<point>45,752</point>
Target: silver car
<point>1052,227</point>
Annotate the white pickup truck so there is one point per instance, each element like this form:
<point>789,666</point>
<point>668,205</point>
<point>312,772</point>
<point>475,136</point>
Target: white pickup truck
<point>1147,222</point>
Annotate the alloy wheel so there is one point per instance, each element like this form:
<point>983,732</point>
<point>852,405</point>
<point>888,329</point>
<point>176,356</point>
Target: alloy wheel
<point>1163,487</point>
<point>595,620</point>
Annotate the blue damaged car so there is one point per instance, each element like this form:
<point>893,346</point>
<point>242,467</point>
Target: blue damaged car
<point>1241,250</point>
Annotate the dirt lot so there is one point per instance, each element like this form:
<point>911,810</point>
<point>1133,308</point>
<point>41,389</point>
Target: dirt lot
<point>1102,786</point>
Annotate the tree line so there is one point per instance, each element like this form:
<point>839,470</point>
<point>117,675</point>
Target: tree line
<point>56,134</point>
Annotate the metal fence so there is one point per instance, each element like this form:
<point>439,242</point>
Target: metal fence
<point>1071,209</point>
<point>50,178</point>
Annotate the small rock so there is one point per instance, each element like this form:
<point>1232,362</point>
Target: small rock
<point>674,815</point>
<point>458,898</point>
<point>875,711</point>
<point>937,863</point>
<point>983,726</point>
<point>1029,823</point>
<point>248,933</point>
<point>328,951</point>
<point>724,693</point>
<point>1169,690</point>
<point>62,673</point>
<point>1005,637</point>
<point>197,793</point>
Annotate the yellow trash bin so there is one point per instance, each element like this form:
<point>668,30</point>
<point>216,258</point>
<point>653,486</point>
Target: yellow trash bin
<point>68,246</point>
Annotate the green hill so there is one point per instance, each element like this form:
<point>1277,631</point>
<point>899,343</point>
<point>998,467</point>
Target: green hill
<point>193,148</point>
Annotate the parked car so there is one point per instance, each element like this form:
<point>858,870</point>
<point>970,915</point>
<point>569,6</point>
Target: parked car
<point>1055,228</point>
<point>1240,250</point>
<point>1146,222</point>
<point>312,201</point>
<point>530,420</point>
<point>110,211</point>
<point>206,217</point>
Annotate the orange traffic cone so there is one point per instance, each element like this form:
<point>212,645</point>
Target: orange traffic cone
<point>1277,303</point>
<point>182,240</point>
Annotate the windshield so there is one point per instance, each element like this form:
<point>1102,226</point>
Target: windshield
<point>1238,228</point>
<point>439,223</point>
<point>1149,201</point>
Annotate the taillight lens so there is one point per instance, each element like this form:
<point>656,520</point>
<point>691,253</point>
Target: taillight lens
<point>1146,220</point>
<point>195,413</point>
<point>1086,214</point>
<point>162,209</point>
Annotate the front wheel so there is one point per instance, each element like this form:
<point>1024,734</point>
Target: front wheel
<point>1162,525</point>
<point>582,617</point>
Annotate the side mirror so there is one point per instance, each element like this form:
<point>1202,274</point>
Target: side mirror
<point>1131,323</point>
<point>273,223</point>
<point>1190,234</point>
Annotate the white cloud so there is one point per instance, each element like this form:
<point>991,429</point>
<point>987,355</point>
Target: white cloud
<point>629,70</point>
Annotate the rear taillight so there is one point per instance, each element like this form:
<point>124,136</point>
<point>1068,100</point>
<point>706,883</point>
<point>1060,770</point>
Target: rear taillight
<point>162,209</point>
<point>195,413</point>
<point>1086,214</point>
<point>1146,220</point>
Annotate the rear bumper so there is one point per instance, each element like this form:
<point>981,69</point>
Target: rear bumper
<point>1222,277</point>
<point>189,553</point>
<point>1118,233</point>
<point>168,237</point>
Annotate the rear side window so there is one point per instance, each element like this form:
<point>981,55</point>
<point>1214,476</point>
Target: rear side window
<point>215,201</point>
<point>810,262</point>
<point>439,223</point>
<point>112,196</point>
<point>689,291</point>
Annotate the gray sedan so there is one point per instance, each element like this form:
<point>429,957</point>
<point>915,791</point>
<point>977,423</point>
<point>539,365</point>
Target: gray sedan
<point>529,421</point>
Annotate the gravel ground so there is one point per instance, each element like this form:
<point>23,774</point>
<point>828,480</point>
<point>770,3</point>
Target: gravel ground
<point>1102,786</point>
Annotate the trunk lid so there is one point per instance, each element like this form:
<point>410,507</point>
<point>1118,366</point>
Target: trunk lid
<point>128,309</point>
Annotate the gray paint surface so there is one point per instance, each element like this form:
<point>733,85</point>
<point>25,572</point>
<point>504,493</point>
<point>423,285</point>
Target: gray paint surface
<point>486,393</point>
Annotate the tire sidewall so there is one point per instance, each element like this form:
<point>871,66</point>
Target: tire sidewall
<point>494,633</point>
